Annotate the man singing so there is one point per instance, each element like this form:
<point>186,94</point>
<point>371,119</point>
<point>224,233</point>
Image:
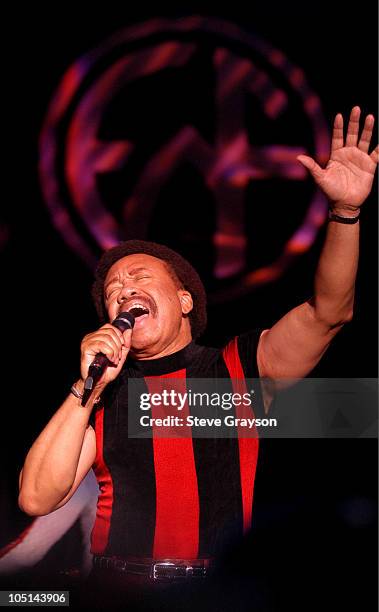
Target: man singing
<point>180,501</point>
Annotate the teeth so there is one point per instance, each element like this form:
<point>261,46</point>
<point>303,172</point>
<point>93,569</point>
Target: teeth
<point>137,305</point>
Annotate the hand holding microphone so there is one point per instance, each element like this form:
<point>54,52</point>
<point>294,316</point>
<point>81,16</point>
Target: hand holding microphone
<point>104,352</point>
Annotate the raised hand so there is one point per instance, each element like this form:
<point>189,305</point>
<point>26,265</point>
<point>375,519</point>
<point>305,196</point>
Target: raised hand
<point>349,174</point>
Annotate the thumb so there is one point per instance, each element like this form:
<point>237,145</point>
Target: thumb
<point>127,334</point>
<point>313,167</point>
<point>124,353</point>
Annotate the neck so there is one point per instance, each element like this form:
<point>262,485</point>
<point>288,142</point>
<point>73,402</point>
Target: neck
<point>153,352</point>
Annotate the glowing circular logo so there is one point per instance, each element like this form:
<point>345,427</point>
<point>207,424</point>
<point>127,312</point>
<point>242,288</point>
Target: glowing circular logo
<point>165,132</point>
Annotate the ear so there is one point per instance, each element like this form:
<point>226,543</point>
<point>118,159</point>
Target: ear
<point>185,301</point>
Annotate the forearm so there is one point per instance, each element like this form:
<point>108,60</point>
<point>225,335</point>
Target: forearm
<point>336,272</point>
<point>51,463</point>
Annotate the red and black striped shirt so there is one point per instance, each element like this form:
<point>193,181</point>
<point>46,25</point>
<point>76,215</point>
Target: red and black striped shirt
<point>174,497</point>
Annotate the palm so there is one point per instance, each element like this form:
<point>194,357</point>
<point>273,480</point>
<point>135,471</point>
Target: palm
<point>349,174</point>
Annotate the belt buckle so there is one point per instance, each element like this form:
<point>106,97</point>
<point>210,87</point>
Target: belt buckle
<point>189,571</point>
<point>103,562</point>
<point>119,565</point>
<point>154,574</point>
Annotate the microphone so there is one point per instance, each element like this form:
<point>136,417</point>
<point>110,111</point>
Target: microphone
<point>124,320</point>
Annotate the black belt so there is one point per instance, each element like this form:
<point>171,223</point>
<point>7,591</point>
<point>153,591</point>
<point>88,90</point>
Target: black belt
<point>165,570</point>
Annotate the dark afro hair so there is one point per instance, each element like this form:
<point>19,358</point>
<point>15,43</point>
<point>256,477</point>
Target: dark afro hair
<point>179,267</point>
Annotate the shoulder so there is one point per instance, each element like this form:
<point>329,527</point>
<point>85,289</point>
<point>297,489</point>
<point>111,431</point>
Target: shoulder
<point>243,357</point>
<point>244,348</point>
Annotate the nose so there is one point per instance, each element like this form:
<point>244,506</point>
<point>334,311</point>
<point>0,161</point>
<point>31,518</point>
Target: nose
<point>126,292</point>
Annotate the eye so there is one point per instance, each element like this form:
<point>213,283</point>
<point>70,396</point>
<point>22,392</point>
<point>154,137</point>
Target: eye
<point>110,292</point>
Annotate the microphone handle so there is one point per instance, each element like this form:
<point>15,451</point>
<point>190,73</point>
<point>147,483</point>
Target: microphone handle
<point>95,372</point>
<point>97,368</point>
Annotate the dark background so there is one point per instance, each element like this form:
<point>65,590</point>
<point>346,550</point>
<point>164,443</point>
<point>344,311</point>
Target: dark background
<point>315,500</point>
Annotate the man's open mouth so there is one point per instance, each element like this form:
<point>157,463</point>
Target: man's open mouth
<point>137,309</point>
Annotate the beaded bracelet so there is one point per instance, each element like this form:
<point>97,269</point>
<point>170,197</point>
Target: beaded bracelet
<point>339,219</point>
<point>79,395</point>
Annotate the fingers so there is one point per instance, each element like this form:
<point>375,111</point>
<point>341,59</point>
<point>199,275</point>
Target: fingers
<point>353,127</point>
<point>337,138</point>
<point>114,339</point>
<point>113,331</point>
<point>364,142</point>
<point>102,344</point>
<point>353,132</point>
<point>107,340</point>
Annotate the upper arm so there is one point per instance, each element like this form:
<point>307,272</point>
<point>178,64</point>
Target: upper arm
<point>294,345</point>
<point>86,461</point>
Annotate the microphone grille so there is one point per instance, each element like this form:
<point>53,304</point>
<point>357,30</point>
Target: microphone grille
<point>124,320</point>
